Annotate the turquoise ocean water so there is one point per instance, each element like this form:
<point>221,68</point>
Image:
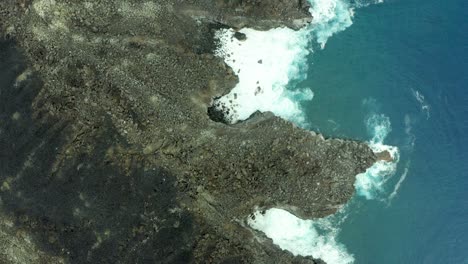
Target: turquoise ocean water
<point>408,61</point>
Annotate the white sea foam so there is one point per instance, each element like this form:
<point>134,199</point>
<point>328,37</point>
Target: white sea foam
<point>265,63</point>
<point>411,139</point>
<point>408,129</point>
<point>315,238</point>
<point>370,183</point>
<point>364,3</point>
<point>425,107</point>
<point>398,185</point>
<point>329,17</point>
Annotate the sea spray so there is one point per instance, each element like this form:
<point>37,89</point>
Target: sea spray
<point>268,62</point>
<point>425,107</point>
<point>370,184</point>
<point>329,17</point>
<point>265,63</point>
<point>318,237</point>
<point>408,148</point>
<point>315,238</point>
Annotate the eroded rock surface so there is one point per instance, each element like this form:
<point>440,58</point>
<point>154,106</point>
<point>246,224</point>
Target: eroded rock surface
<point>107,152</point>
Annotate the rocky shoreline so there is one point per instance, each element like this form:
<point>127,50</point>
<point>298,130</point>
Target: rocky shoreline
<point>108,154</point>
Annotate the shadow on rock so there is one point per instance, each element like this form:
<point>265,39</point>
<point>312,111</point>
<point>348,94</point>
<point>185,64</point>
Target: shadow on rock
<point>84,198</point>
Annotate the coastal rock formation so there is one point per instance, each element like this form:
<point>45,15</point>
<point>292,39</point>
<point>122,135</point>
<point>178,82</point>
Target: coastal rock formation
<point>107,151</point>
<point>251,13</point>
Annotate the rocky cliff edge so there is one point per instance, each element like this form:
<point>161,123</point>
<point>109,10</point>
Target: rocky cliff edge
<point>107,152</point>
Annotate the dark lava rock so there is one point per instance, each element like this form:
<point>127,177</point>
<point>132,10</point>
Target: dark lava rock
<point>107,153</point>
<point>384,155</point>
<point>255,14</point>
<point>217,113</point>
<point>240,36</point>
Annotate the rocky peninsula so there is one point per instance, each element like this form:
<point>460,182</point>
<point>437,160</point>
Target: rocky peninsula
<point>107,151</point>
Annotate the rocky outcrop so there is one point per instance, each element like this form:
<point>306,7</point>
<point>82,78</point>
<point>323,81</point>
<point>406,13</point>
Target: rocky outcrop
<point>107,151</point>
<point>251,13</point>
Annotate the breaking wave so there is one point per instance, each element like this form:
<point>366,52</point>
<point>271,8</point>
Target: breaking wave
<point>410,142</point>
<point>370,184</point>
<point>329,17</point>
<point>266,61</point>
<point>316,238</point>
<point>268,64</point>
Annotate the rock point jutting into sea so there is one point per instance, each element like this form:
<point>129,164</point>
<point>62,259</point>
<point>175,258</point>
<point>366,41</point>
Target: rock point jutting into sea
<point>107,151</point>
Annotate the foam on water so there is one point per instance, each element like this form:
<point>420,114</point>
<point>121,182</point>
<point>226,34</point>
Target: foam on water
<point>425,107</point>
<point>370,184</point>
<point>266,62</point>
<point>318,237</point>
<point>329,17</point>
<point>315,238</point>
<point>410,142</point>
<point>398,185</point>
<point>411,138</point>
<point>364,3</point>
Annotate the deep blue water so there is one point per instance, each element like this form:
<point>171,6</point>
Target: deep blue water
<point>391,53</point>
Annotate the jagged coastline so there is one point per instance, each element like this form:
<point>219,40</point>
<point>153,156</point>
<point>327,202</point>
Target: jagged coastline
<point>108,153</point>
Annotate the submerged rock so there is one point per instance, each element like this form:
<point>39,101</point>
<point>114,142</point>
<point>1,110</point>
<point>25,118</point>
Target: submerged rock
<point>115,157</point>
